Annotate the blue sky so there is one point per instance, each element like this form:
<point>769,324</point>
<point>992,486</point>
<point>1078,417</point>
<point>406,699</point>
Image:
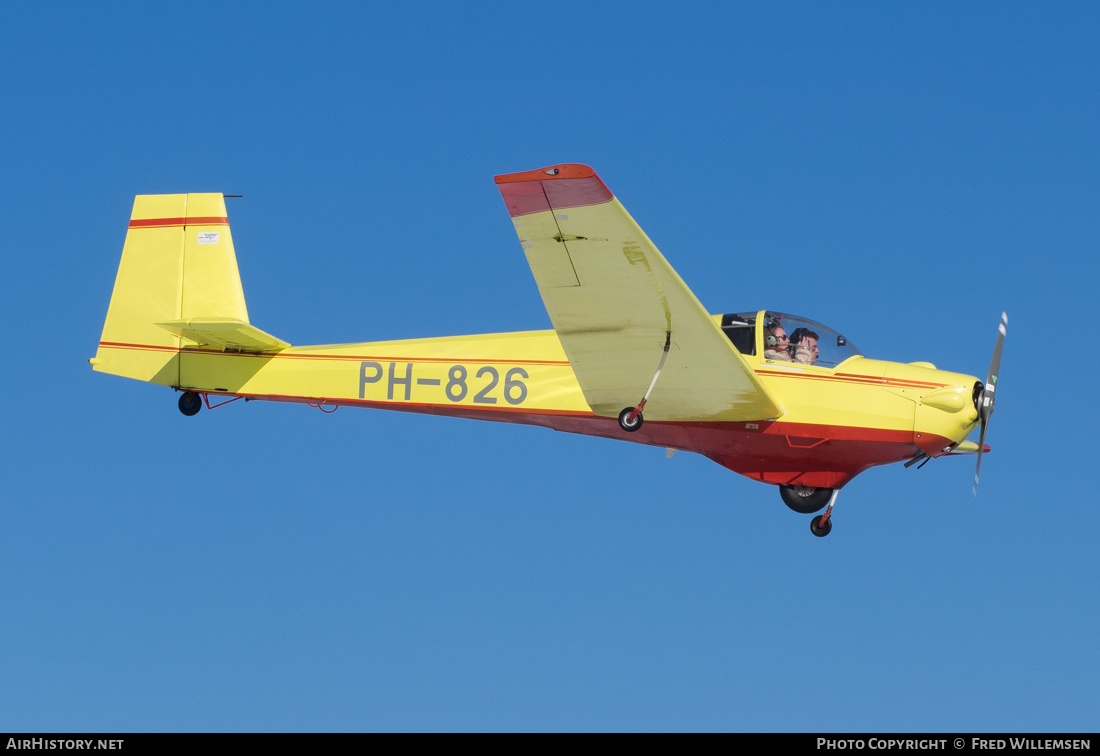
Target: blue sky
<point>901,172</point>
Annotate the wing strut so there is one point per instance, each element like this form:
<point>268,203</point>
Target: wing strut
<point>631,423</point>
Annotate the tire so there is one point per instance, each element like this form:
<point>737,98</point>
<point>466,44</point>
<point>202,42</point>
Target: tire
<point>626,424</point>
<point>805,500</point>
<point>817,530</point>
<point>190,403</point>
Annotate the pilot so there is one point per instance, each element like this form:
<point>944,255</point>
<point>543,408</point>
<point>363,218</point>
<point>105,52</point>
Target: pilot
<point>804,346</point>
<point>776,345</point>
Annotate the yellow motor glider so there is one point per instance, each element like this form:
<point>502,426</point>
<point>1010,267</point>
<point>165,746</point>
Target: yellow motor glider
<point>775,397</point>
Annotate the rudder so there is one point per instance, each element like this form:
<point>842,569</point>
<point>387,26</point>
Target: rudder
<point>178,264</point>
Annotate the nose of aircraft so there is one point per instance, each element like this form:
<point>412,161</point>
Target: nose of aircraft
<point>945,416</point>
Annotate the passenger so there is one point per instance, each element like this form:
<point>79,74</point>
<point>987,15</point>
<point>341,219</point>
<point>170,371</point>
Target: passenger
<point>776,345</point>
<point>804,346</point>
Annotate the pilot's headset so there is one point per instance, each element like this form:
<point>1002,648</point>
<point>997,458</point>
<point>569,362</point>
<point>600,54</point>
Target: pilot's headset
<point>770,340</point>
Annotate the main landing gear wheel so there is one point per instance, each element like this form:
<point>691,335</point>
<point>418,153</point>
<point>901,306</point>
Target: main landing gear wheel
<point>819,528</point>
<point>629,425</point>
<point>804,499</point>
<point>190,403</point>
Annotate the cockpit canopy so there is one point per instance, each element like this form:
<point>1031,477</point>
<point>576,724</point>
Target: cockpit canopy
<point>746,331</point>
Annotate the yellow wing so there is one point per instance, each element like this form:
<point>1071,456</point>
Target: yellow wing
<point>614,299</point>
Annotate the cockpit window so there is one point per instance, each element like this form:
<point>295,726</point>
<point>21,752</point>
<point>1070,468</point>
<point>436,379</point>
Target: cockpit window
<point>740,328</point>
<point>807,342</point>
<point>792,339</point>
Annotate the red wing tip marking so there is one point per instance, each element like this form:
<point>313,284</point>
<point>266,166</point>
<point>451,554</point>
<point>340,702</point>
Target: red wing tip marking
<point>538,191</point>
<point>562,171</point>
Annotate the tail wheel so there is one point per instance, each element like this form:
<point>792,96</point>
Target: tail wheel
<point>190,403</point>
<point>820,528</point>
<point>804,499</point>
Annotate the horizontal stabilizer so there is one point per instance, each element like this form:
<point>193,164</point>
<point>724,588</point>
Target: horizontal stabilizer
<point>225,334</point>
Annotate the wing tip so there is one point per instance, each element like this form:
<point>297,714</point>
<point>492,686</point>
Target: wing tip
<point>536,191</point>
<point>560,171</point>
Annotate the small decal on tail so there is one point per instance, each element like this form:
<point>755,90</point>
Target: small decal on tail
<point>208,237</point>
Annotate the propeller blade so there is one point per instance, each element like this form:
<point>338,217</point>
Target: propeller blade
<point>988,399</point>
<point>995,362</point>
<point>981,447</point>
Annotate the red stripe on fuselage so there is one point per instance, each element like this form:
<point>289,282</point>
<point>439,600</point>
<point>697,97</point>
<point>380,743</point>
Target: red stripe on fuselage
<point>853,378</point>
<point>348,357</point>
<point>206,220</point>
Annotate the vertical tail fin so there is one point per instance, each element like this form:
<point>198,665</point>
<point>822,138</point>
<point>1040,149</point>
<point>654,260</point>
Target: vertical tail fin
<point>178,266</point>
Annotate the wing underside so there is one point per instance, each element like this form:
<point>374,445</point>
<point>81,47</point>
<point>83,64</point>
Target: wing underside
<point>614,301</point>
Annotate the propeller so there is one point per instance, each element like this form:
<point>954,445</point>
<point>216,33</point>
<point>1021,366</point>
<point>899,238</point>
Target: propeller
<point>987,398</point>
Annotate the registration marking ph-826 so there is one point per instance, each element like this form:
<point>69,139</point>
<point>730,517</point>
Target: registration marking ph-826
<point>486,383</point>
